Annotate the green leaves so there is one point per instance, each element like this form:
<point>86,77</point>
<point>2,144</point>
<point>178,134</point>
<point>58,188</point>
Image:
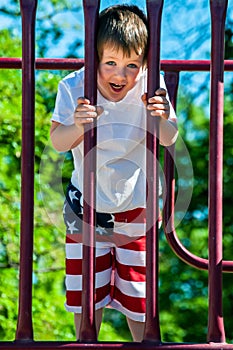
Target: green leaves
<point>183,292</point>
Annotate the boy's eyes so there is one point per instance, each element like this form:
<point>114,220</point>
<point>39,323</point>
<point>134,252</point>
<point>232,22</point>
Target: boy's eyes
<point>111,63</point>
<point>130,65</point>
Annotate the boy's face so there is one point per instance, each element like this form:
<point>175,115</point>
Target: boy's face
<point>117,73</point>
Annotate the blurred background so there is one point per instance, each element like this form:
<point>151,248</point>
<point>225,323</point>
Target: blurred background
<point>183,297</point>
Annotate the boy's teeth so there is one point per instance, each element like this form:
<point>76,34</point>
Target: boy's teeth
<point>116,86</point>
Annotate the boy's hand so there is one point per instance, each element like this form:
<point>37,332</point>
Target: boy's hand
<point>158,104</point>
<point>85,113</point>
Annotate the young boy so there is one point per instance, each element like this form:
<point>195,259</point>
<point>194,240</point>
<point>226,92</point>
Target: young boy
<point>121,170</point>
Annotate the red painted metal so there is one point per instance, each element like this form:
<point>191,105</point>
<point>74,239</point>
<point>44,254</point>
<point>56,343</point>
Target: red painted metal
<point>77,63</point>
<point>152,327</point>
<point>112,345</point>
<point>24,326</point>
<point>172,84</point>
<point>171,78</point>
<point>88,329</point>
<point>216,331</point>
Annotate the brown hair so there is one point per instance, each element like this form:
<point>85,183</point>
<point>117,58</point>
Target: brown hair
<point>123,26</point>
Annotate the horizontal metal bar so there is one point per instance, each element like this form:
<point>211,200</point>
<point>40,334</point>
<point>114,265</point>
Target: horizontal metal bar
<point>192,65</point>
<point>111,345</point>
<point>77,63</point>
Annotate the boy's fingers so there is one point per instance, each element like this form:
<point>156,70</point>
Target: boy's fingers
<point>86,113</point>
<point>85,108</point>
<point>144,98</point>
<point>83,104</point>
<point>159,106</point>
<point>93,110</point>
<point>157,100</point>
<point>161,92</point>
<point>83,100</point>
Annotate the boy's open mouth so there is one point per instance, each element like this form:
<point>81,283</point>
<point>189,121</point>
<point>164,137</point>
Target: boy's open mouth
<point>116,87</point>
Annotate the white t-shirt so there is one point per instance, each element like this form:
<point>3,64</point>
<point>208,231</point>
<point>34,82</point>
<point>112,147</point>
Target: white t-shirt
<point>121,144</point>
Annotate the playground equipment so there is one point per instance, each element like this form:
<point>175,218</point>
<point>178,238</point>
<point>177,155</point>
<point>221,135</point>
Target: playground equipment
<point>215,264</point>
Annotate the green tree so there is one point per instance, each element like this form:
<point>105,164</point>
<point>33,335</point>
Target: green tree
<point>55,20</point>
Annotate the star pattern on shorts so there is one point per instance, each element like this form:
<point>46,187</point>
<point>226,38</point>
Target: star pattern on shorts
<point>71,226</point>
<point>72,195</point>
<point>112,218</point>
<point>101,230</point>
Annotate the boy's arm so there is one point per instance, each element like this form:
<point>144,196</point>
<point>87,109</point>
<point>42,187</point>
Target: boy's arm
<point>66,137</point>
<point>168,132</point>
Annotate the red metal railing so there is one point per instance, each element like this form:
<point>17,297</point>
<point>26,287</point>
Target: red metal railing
<point>87,329</point>
<point>215,265</point>
<point>24,327</point>
<point>152,327</point>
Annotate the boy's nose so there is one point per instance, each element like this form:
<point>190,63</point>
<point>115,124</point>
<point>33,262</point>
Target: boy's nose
<point>121,73</point>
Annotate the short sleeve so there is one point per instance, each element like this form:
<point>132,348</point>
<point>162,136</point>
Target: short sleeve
<point>64,106</point>
<point>69,89</point>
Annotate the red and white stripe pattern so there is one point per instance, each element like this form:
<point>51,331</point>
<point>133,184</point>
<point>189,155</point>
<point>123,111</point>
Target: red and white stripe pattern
<point>120,270</point>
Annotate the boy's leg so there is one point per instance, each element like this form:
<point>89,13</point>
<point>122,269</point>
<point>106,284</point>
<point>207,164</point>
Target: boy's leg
<point>74,281</point>
<point>98,320</point>
<point>136,329</point>
<point>129,296</point>
<point>130,285</point>
<point>72,214</point>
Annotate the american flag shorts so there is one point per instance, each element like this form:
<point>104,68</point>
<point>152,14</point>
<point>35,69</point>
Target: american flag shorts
<point>120,280</point>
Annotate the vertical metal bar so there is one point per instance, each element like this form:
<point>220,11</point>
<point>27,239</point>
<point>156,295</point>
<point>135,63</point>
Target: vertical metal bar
<point>172,83</point>
<point>88,329</point>
<point>216,331</point>
<point>152,328</point>
<point>24,326</point>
